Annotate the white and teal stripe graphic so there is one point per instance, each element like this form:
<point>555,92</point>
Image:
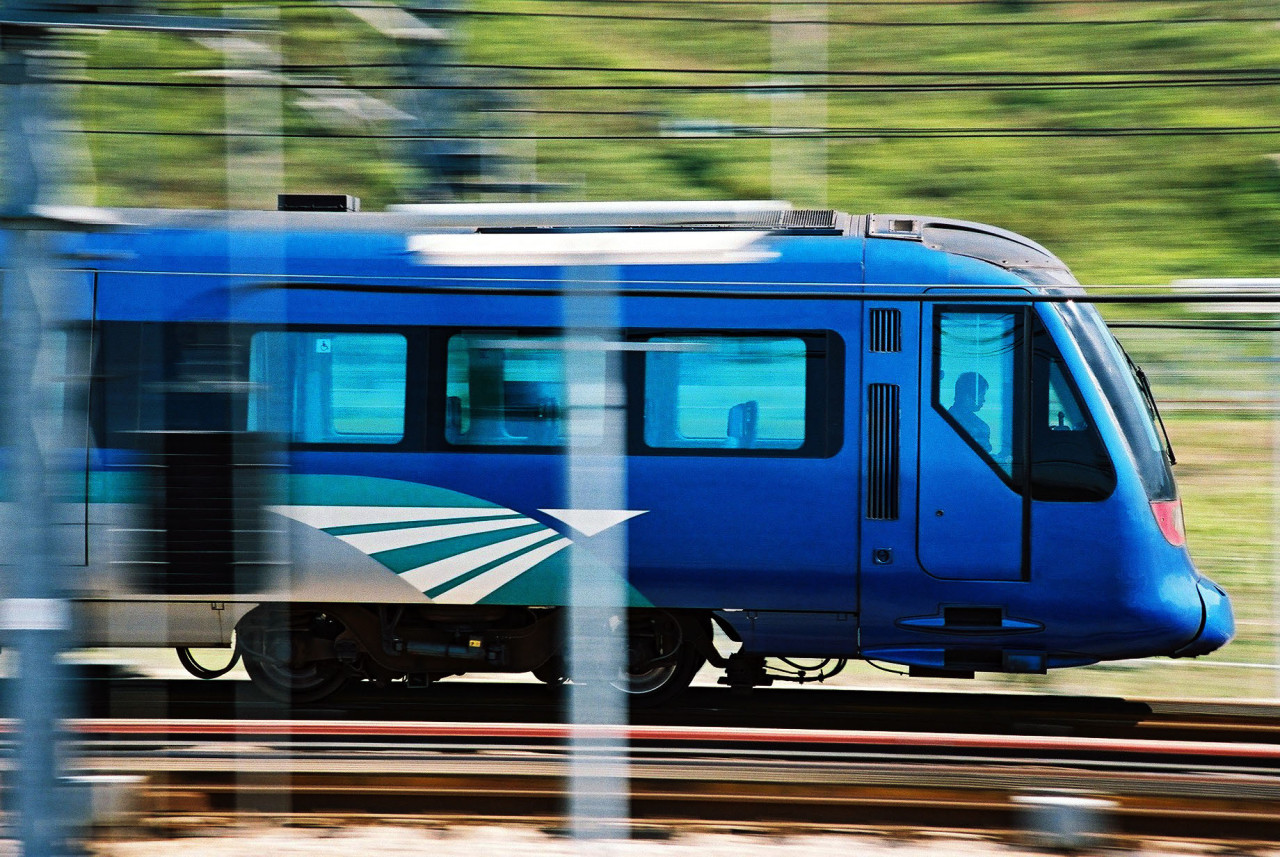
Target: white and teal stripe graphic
<point>454,555</point>
<point>451,546</point>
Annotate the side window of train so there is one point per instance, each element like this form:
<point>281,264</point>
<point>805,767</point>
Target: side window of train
<point>175,377</point>
<point>328,387</point>
<point>726,392</point>
<point>1068,459</point>
<point>977,379</point>
<point>506,388</point>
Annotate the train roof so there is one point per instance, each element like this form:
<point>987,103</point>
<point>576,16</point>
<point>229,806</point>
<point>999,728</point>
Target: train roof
<point>990,244</point>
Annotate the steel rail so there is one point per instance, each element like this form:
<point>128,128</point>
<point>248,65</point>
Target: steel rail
<point>897,711</point>
<point>1206,789</point>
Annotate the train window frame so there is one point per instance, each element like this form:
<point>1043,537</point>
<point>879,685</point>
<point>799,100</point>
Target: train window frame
<point>1032,330</point>
<point>824,393</point>
<point>136,369</point>
<point>149,345</point>
<point>1016,476</point>
<point>1053,356</point>
<point>438,411</point>
<point>415,394</point>
<point>1104,357</point>
<point>334,436</point>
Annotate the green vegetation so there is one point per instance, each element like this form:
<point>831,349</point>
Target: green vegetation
<point>1118,209</point>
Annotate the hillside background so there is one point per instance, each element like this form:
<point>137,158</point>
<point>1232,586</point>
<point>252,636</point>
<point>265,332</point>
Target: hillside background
<point>1161,123</point>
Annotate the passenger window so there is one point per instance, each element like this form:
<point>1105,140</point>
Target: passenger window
<point>328,387</point>
<point>505,389</point>
<point>975,385</point>
<point>730,392</point>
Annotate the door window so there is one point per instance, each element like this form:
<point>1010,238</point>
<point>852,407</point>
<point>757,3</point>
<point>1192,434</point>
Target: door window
<point>977,379</point>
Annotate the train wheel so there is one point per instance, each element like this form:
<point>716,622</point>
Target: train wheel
<point>265,638</point>
<point>288,684</point>
<point>552,672</point>
<point>662,660</point>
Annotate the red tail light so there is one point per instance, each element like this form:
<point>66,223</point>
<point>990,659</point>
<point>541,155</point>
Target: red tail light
<point>1169,517</point>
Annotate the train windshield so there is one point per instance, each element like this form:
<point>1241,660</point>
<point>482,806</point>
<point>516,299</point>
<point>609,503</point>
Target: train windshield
<point>1119,382</point>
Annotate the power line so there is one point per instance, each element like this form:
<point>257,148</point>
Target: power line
<point>867,22</point>
<point>723,135</point>
<point>1224,327</point>
<point>830,4</point>
<point>760,87</point>
<point>870,22</point>
<point>755,72</point>
<point>900,4</point>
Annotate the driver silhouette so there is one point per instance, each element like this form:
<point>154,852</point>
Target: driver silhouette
<point>971,394</point>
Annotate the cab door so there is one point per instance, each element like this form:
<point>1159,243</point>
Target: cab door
<point>974,509</point>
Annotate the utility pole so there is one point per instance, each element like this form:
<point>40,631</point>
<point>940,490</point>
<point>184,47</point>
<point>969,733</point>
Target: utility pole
<point>798,37</point>
<point>35,615</point>
<point>34,618</point>
<point>442,106</point>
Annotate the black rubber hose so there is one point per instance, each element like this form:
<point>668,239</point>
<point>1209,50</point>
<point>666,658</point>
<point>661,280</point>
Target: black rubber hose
<point>192,666</point>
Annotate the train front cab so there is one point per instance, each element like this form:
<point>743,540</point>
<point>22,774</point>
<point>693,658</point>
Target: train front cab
<point>1045,529</point>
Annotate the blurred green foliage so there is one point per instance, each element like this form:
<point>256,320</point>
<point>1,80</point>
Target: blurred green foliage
<point>1121,209</point>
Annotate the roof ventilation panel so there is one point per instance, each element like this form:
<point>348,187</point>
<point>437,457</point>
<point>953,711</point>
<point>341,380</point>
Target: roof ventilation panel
<point>808,218</point>
<point>317,202</point>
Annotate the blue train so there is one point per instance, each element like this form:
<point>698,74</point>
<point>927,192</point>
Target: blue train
<point>341,437</point>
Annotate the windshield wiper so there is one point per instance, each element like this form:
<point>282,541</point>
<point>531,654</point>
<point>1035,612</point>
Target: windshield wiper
<point>1150,398</point>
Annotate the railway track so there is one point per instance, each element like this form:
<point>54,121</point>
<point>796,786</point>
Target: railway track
<point>779,757</point>
<point>1217,790</point>
<point>809,708</point>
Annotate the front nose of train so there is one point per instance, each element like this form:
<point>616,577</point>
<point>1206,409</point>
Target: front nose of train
<point>1218,624</point>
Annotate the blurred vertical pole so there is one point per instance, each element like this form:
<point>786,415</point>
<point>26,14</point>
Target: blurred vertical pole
<point>799,163</point>
<point>596,478</point>
<point>35,616</point>
<point>434,103</point>
<point>254,176</point>
<point>1275,494</point>
<point>255,159</point>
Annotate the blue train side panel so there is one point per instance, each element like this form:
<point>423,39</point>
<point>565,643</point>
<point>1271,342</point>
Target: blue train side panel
<point>962,495</point>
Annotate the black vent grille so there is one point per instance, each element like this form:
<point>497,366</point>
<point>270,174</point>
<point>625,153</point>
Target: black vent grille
<point>317,202</point>
<point>808,218</point>
<point>882,452</point>
<point>886,330</point>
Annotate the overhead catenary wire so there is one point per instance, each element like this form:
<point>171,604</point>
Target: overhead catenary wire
<point>1223,327</point>
<point>757,87</point>
<point>831,4</point>
<point>633,17</point>
<point>756,72</point>
<point>754,133</point>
